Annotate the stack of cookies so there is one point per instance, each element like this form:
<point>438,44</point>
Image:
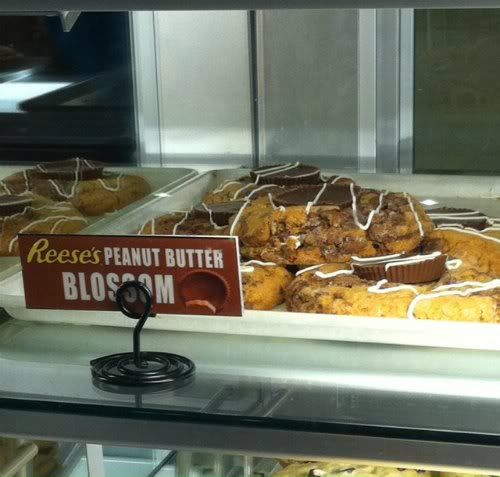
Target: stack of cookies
<point>328,245</point>
<point>57,198</point>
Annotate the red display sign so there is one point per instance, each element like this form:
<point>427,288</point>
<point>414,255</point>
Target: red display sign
<point>186,275</point>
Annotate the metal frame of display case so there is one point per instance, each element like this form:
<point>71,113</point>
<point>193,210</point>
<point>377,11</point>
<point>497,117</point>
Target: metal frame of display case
<point>122,5</point>
<point>105,424</point>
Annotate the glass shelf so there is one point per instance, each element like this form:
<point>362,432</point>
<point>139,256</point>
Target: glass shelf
<point>294,397</point>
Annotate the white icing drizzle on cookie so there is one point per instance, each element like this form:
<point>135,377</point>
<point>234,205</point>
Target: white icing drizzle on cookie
<point>315,200</point>
<point>245,187</point>
<point>238,216</point>
<point>273,205</point>
<point>26,181</point>
<point>279,169</point>
<point>453,264</point>
<point>5,188</point>
<point>417,218</point>
<point>58,187</point>
<point>338,178</point>
<point>246,269</point>
<point>258,262</point>
<point>224,186</point>
<point>452,224</point>
<point>46,219</point>
<point>308,269</point>
<point>176,226</point>
<point>211,219</point>
<point>411,260</point>
<point>376,259</point>
<point>73,186</point>
<point>453,214</point>
<point>468,219</point>
<point>377,288</point>
<point>333,274</point>
<point>153,226</point>
<point>458,285</point>
<point>447,292</point>
<point>471,232</point>
<point>265,186</point>
<point>298,243</point>
<point>372,214</point>
<point>110,188</point>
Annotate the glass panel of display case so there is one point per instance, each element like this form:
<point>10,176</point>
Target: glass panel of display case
<point>307,74</point>
<point>66,93</point>
<point>457,107</point>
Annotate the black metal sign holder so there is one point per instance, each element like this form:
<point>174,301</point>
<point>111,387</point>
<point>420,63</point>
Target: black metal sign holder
<point>140,368</point>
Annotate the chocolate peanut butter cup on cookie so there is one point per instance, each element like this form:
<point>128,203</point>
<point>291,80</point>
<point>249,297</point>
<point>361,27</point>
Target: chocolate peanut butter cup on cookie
<point>446,216</point>
<point>70,169</point>
<point>13,204</point>
<point>218,213</point>
<point>315,195</point>
<point>399,268</point>
<point>286,174</point>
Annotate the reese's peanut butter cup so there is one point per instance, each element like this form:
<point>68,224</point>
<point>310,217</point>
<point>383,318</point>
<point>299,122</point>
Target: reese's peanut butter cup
<point>69,170</point>
<point>13,204</point>
<point>315,195</point>
<point>287,174</point>
<point>218,213</point>
<point>455,216</point>
<point>204,292</point>
<point>402,269</point>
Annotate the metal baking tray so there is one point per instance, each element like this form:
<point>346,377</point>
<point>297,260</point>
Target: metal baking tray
<point>474,192</point>
<point>161,180</point>
<point>28,67</point>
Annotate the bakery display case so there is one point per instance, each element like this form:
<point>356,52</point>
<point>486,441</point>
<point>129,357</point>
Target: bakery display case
<point>348,152</point>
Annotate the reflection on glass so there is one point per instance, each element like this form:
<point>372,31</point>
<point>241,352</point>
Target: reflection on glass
<point>457,105</point>
<point>66,94</point>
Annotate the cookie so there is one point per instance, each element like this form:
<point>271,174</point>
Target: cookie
<point>13,204</point>
<point>323,290</point>
<point>264,284</point>
<point>40,216</point>
<point>181,223</point>
<point>87,186</point>
<point>334,468</point>
<point>371,223</point>
<point>475,249</point>
<point>83,183</point>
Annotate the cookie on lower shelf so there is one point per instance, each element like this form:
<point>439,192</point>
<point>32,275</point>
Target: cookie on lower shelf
<point>264,284</point>
<point>333,468</point>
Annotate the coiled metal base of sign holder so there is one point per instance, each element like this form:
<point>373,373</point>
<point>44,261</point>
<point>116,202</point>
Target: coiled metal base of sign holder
<point>140,368</point>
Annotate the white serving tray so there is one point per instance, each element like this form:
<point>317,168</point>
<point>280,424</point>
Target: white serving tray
<point>479,192</point>
<point>161,180</point>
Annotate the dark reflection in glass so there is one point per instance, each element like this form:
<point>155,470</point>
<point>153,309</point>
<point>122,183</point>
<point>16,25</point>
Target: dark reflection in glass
<point>66,94</point>
<point>457,105</point>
